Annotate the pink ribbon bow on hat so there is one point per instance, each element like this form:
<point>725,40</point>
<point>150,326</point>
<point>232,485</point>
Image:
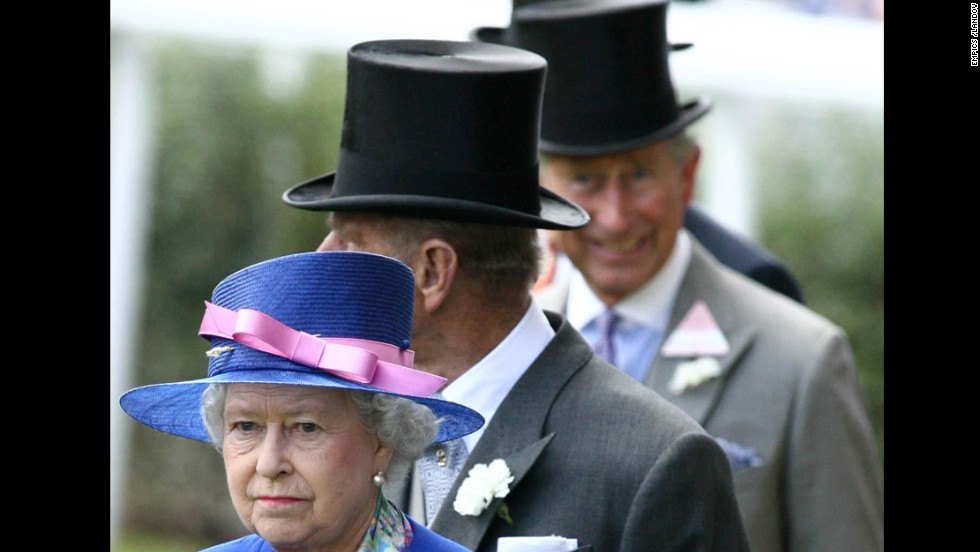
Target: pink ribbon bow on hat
<point>374,363</point>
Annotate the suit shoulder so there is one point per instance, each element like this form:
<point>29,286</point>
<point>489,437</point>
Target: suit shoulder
<point>615,400</point>
<point>730,248</point>
<point>790,344</point>
<point>741,254</point>
<point>749,300</point>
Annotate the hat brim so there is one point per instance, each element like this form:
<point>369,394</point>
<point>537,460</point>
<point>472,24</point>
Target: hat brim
<point>490,35</point>
<point>690,112</point>
<point>556,212</point>
<point>495,35</point>
<point>175,408</point>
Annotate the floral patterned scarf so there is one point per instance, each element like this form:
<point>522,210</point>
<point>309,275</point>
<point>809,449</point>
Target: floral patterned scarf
<point>390,530</point>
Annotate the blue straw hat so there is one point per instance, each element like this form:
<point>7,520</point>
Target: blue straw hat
<point>338,319</point>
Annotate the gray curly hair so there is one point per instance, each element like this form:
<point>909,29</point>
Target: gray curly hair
<point>403,425</point>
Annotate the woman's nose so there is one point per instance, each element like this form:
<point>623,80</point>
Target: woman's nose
<point>273,455</point>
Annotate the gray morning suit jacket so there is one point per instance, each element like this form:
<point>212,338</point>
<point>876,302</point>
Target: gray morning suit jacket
<point>598,457</point>
<point>788,392</point>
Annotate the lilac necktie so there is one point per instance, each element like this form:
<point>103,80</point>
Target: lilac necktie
<point>606,326</point>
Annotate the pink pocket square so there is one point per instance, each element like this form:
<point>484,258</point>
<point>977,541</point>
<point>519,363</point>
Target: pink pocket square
<point>697,335</point>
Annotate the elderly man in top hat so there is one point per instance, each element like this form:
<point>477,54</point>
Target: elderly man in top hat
<point>774,382</point>
<point>438,167</point>
<point>731,249</point>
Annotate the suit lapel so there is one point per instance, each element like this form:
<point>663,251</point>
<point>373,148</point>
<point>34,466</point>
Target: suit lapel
<point>469,530</point>
<point>701,284</point>
<point>698,402</point>
<point>516,431</point>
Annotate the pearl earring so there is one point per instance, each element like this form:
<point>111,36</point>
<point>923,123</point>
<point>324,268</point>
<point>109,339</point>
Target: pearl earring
<point>379,479</point>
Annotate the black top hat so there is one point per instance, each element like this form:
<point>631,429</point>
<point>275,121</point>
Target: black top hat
<point>440,129</point>
<point>498,35</point>
<point>609,87</point>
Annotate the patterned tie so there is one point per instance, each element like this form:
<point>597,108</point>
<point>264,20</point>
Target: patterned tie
<point>438,467</point>
<point>606,326</point>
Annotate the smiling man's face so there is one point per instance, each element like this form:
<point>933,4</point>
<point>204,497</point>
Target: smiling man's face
<point>636,200</point>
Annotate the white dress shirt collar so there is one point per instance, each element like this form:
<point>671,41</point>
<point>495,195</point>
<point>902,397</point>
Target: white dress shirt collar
<point>484,386</point>
<point>650,305</point>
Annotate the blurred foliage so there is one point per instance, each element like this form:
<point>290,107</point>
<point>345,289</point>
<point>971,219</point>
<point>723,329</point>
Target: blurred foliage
<point>151,543</point>
<point>822,193</point>
<point>238,127</point>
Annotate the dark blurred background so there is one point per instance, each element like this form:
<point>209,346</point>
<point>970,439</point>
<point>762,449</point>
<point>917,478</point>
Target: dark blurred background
<point>215,113</point>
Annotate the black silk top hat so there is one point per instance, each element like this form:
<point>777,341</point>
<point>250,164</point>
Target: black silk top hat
<point>499,35</point>
<point>609,87</point>
<point>441,129</point>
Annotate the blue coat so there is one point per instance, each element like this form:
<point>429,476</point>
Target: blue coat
<point>424,541</point>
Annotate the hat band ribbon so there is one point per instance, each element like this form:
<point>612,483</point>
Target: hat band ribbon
<point>364,361</point>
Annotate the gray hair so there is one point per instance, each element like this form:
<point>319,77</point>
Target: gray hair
<point>403,425</point>
<point>681,145</point>
<point>500,258</point>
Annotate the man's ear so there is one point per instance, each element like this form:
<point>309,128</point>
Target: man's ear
<point>689,172</point>
<point>435,272</point>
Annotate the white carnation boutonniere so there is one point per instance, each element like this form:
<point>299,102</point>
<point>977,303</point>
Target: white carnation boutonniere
<point>693,373</point>
<point>483,484</point>
<point>698,336</point>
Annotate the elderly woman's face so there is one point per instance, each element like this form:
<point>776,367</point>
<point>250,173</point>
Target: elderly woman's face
<point>299,464</point>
